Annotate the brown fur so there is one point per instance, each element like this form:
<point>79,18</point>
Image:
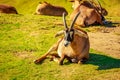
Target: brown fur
<point>7,9</point>
<point>89,14</point>
<point>104,11</point>
<point>48,9</point>
<point>78,49</point>
<point>90,4</point>
<point>99,8</point>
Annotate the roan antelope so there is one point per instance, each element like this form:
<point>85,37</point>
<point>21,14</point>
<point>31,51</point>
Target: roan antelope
<point>49,9</point>
<point>7,9</point>
<point>74,46</point>
<point>90,14</point>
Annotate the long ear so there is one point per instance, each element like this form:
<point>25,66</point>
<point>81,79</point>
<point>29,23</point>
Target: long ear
<point>64,20</point>
<point>72,24</point>
<point>59,33</point>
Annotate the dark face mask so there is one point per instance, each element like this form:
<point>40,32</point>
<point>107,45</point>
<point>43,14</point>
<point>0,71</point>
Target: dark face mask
<point>68,37</point>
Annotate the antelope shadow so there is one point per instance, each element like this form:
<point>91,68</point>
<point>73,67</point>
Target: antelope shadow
<point>111,24</point>
<point>104,62</point>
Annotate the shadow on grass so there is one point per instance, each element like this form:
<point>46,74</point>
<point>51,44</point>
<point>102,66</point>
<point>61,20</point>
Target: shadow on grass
<point>112,24</point>
<point>104,62</point>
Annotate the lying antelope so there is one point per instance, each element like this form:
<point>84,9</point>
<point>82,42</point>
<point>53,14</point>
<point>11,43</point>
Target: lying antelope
<point>90,14</point>
<point>74,46</point>
<point>99,8</point>
<point>7,9</point>
<point>49,9</point>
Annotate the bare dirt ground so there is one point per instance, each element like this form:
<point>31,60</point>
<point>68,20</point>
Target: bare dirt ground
<point>106,40</point>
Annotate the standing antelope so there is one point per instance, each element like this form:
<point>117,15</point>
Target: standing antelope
<point>74,45</point>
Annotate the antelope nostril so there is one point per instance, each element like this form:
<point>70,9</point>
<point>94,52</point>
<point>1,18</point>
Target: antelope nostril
<point>66,43</point>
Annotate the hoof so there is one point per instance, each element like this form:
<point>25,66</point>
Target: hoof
<point>60,63</point>
<point>80,62</point>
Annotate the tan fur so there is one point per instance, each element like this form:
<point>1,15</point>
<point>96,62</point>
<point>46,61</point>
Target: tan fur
<point>89,13</point>
<point>48,9</point>
<point>104,11</point>
<point>7,9</point>
<point>90,4</point>
<point>77,50</point>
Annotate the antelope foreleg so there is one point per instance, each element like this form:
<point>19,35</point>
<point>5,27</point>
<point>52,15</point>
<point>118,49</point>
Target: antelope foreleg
<point>53,48</point>
<point>59,60</point>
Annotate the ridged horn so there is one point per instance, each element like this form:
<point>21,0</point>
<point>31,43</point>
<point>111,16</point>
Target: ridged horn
<point>99,6</point>
<point>64,20</point>
<point>72,24</point>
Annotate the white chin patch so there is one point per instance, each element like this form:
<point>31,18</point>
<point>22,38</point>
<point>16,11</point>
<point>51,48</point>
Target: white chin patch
<point>66,43</point>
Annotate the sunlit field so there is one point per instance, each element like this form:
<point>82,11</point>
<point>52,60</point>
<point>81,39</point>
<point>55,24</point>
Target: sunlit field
<point>25,37</point>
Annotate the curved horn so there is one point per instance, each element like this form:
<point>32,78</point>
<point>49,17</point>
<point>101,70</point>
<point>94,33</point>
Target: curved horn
<point>72,24</point>
<point>99,6</point>
<point>92,3</point>
<point>64,20</point>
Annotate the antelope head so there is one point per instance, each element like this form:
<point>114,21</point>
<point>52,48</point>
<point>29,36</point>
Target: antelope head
<point>101,10</point>
<point>69,32</point>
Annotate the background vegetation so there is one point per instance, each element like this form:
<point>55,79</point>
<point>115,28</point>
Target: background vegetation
<point>24,38</point>
<point>29,6</point>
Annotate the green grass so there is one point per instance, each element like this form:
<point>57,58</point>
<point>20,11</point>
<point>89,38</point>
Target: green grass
<point>112,7</point>
<point>24,38</point>
<point>29,6</point>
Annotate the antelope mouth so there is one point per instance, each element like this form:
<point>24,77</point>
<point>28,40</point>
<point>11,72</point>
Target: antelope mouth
<point>66,43</point>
